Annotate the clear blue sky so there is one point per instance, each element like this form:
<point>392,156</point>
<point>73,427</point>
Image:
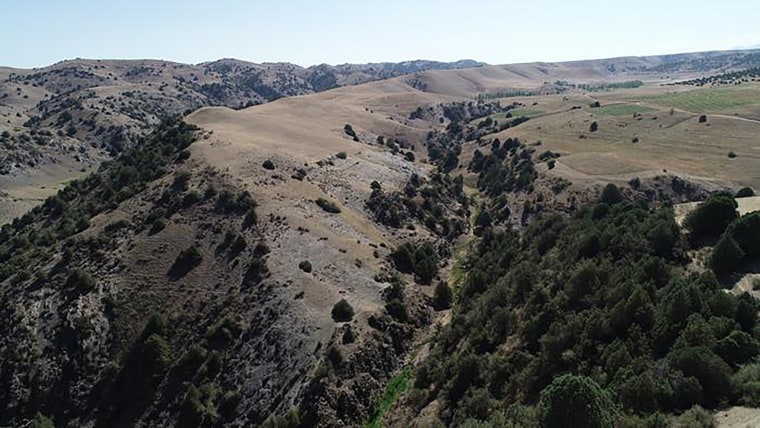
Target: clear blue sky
<point>306,32</point>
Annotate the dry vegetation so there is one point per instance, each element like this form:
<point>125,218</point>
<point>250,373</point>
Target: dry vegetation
<point>285,265</point>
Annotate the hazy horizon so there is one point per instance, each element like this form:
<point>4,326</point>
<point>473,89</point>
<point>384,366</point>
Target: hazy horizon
<point>339,32</point>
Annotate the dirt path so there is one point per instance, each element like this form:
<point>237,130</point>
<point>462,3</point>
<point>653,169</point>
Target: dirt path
<point>746,205</point>
<point>745,119</point>
<point>738,417</point>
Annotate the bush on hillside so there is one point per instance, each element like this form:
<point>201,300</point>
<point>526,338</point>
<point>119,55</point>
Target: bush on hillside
<point>712,216</point>
<point>186,261</point>
<point>611,194</point>
<point>328,206</point>
<point>442,296</point>
<point>420,259</point>
<point>305,266</point>
<point>745,192</point>
<point>727,256</point>
<point>746,233</point>
<point>80,280</point>
<point>342,311</point>
<point>576,401</point>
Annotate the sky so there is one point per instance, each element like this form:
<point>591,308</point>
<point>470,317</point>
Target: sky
<point>41,32</point>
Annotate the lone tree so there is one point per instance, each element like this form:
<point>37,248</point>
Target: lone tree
<point>575,402</point>
<point>611,194</point>
<point>442,296</point>
<point>594,126</point>
<point>726,256</point>
<point>342,311</point>
<point>745,192</point>
<point>713,215</point>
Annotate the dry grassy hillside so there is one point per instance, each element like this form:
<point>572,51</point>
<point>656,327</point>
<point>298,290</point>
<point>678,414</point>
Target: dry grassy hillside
<point>60,121</point>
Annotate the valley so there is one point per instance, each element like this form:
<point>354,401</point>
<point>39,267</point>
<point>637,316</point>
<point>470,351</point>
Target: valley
<point>419,244</point>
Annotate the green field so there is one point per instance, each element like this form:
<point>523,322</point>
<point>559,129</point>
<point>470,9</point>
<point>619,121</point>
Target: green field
<point>707,99</point>
<point>621,110</point>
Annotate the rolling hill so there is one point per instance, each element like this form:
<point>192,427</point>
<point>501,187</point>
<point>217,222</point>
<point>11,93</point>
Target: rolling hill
<point>304,260</point>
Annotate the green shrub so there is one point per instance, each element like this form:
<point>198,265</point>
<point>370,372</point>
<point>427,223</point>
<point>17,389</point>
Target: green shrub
<point>268,164</point>
<point>183,155</point>
<point>746,383</point>
<point>575,401</point>
<point>349,130</point>
<point>328,206</point>
<point>224,331</point>
<point>342,311</point>
<point>397,309</point>
<point>186,261</point>
<point>155,354</point>
<point>696,417</point>
<point>181,181</point>
<point>745,192</point>
<point>288,420</point>
<point>305,266</point>
<point>611,194</point>
<point>442,296</point>
<point>210,192</point>
<point>348,335</point>
<point>737,348</point>
<point>334,356</point>
<point>158,225</point>
<point>712,216</point>
<point>80,280</point>
<point>726,256</point>
<point>157,324</point>
<point>238,203</point>
<point>42,421</point>
<point>420,259</point>
<point>713,374</point>
<point>193,412</point>
<point>746,232</point>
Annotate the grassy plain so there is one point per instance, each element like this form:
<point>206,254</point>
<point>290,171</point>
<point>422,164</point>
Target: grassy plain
<point>659,140</point>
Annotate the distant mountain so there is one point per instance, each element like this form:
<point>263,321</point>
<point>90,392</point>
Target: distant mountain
<point>92,109</point>
<point>696,62</point>
<point>80,112</point>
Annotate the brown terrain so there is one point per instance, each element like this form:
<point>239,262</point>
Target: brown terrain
<point>253,343</point>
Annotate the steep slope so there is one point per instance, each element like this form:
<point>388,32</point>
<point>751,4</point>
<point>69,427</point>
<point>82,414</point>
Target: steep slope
<point>60,121</point>
<point>195,285</point>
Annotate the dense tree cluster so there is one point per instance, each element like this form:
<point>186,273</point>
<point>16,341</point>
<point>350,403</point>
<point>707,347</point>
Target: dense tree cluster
<point>69,211</point>
<point>599,295</point>
<point>420,258</point>
<point>507,167</point>
<point>439,203</point>
<point>730,78</point>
